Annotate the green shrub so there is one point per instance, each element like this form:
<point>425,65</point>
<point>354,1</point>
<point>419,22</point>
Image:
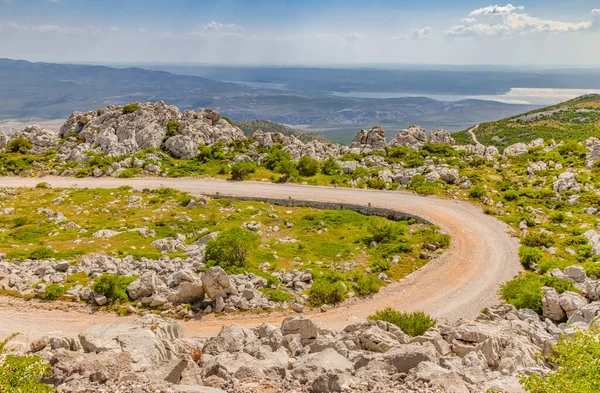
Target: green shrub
<point>538,239</point>
<point>43,185</point>
<point>224,170</point>
<point>53,291</point>
<point>414,324</point>
<point>275,158</point>
<point>114,287</point>
<point>228,120</point>
<point>326,289</point>
<point>578,369</point>
<point>129,173</point>
<point>308,166</point>
<point>242,170</point>
<point>438,149</point>
<point>331,167</point>
<point>511,195</point>
<point>277,295</point>
<point>22,373</point>
<point>477,192</point>
<point>84,172</point>
<point>351,157</point>
<point>130,108</point>
<point>385,232</point>
<point>231,248</point>
<point>525,291</point>
<point>380,265</point>
<point>172,128</point>
<point>558,217</point>
<point>41,253</point>
<point>19,145</point>
<point>287,169</point>
<point>20,221</point>
<point>530,256</point>
<point>365,286</point>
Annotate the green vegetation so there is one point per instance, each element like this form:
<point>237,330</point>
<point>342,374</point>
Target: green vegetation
<point>22,373</point>
<point>172,128</point>
<point>41,253</point>
<point>114,287</point>
<point>231,248</point>
<point>327,289</point>
<point>526,291</point>
<point>308,166</point>
<point>19,145</point>
<point>242,170</point>
<point>43,185</point>
<point>414,324</point>
<point>578,369</point>
<point>130,108</point>
<point>576,119</point>
<point>53,292</point>
<point>530,256</point>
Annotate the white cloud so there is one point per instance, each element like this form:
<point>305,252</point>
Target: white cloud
<point>507,20</point>
<point>496,10</point>
<point>415,34</point>
<point>221,27</point>
<point>355,36</point>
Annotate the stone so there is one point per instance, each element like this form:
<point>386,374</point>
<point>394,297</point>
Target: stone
<point>406,357</point>
<point>551,305</point>
<point>144,286</point>
<point>216,282</point>
<point>413,137</point>
<point>301,326</point>
<point>308,368</point>
<point>576,273</point>
<point>366,141</point>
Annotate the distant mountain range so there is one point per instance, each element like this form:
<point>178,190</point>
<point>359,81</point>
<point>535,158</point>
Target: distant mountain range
<point>52,91</point>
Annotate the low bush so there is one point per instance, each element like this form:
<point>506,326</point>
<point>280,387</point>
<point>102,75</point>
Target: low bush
<point>538,239</point>
<point>331,167</point>
<point>114,287</point>
<point>130,108</point>
<point>129,173</point>
<point>477,192</point>
<point>364,286</point>
<point>277,295</point>
<point>172,128</point>
<point>53,292</point>
<point>19,145</point>
<point>22,373</point>
<point>308,166</point>
<point>275,157</point>
<point>530,256</point>
<point>578,369</point>
<point>326,289</point>
<point>414,324</point>
<point>242,170</point>
<point>511,195</point>
<point>231,248</point>
<point>41,253</point>
<point>43,185</point>
<point>558,217</point>
<point>525,291</point>
<point>20,221</point>
<point>380,265</point>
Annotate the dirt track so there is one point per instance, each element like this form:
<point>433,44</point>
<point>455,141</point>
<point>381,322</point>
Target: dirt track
<point>459,284</point>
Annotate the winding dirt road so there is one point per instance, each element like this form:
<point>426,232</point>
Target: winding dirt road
<point>459,284</point>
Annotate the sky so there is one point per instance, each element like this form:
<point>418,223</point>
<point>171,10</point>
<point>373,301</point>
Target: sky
<point>307,32</point>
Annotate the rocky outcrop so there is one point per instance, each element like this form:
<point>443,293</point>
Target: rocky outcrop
<point>413,137</point>
<point>297,148</point>
<point>116,132</point>
<point>465,356</point>
<point>366,141</point>
<point>441,136</point>
<point>520,149</point>
<point>41,139</point>
<point>566,181</point>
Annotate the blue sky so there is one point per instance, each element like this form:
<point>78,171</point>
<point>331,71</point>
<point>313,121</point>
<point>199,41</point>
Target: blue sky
<point>302,32</point>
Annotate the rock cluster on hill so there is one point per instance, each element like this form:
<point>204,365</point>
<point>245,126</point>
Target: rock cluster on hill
<point>299,356</point>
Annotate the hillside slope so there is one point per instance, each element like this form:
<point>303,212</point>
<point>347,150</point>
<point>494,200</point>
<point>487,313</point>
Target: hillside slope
<point>575,119</point>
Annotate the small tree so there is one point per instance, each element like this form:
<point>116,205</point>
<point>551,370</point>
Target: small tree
<point>231,248</point>
<point>331,167</point>
<point>287,169</point>
<point>308,166</point>
<point>242,170</point>
<point>19,145</point>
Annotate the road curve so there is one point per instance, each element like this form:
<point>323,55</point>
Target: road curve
<point>459,284</point>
